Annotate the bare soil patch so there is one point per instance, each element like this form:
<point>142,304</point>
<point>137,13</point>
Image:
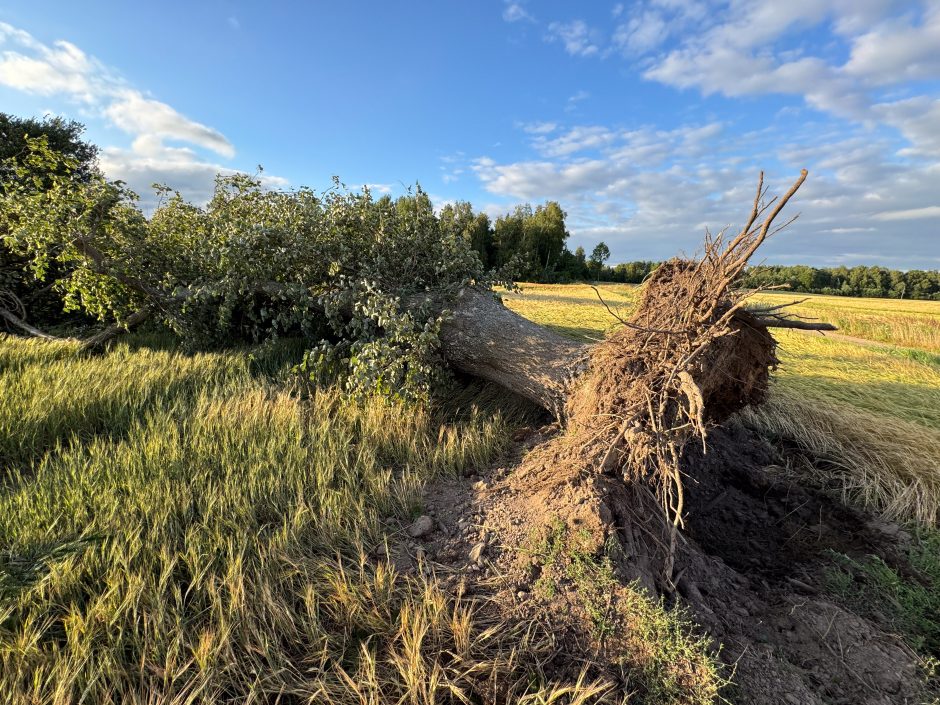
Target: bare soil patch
<point>530,538</point>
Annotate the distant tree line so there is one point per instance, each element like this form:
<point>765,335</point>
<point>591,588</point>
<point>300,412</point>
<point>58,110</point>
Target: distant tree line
<point>532,243</point>
<point>849,281</point>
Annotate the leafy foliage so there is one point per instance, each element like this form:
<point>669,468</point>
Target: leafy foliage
<point>854,281</point>
<point>251,265</point>
<point>63,136</point>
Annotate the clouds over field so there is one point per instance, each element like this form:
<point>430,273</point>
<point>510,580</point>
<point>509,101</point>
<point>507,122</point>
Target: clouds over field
<point>851,90</point>
<point>647,120</point>
<point>166,146</point>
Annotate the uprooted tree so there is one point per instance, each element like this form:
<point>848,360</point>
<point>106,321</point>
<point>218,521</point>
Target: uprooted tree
<point>388,299</point>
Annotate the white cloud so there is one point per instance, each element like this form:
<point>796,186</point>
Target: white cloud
<point>135,114</point>
<point>64,70</point>
<point>918,119</point>
<point>515,12</point>
<point>148,161</point>
<point>865,121</point>
<point>573,100</point>
<point>539,128</point>
<point>649,193</point>
<point>909,214</point>
<point>641,34</point>
<point>577,38</point>
<point>577,139</point>
<point>897,52</point>
<point>744,51</point>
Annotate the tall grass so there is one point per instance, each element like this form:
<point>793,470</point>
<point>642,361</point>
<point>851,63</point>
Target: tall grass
<point>910,324</point>
<point>176,529</point>
<point>884,463</point>
<point>184,528</point>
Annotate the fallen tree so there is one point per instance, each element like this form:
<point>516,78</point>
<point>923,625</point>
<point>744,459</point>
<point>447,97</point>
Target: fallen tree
<point>387,299</point>
<point>385,296</point>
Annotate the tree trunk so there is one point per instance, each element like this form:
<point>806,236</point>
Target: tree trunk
<point>485,339</point>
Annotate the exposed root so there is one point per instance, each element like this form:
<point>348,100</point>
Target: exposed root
<point>690,356</point>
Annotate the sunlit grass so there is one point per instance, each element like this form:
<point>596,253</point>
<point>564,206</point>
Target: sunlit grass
<point>173,524</point>
<point>201,528</point>
<point>909,324</point>
<point>575,309</point>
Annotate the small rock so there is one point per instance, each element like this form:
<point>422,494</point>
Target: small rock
<point>522,594</point>
<point>477,551</point>
<point>422,525</point>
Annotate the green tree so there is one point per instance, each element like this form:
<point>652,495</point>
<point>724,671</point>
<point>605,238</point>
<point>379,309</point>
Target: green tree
<point>599,255</point>
<point>23,289</point>
<point>544,239</point>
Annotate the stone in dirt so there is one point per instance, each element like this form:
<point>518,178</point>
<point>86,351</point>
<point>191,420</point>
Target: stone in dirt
<point>422,526</point>
<point>477,551</point>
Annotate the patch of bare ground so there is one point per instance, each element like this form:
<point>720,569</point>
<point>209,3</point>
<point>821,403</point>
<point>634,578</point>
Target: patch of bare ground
<point>571,549</point>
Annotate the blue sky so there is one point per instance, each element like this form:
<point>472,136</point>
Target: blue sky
<point>647,121</point>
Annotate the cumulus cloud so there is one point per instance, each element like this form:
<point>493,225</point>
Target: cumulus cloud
<point>64,70</point>
<point>137,115</point>
<point>642,33</point>
<point>867,124</point>
<point>748,49</point>
<point>898,51</point>
<point>650,193</point>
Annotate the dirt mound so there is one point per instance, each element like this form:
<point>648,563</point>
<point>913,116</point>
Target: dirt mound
<point>540,542</point>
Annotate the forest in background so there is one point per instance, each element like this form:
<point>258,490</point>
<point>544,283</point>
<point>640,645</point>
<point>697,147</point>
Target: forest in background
<point>535,240</point>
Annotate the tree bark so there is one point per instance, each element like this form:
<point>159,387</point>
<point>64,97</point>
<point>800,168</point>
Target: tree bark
<point>485,339</point>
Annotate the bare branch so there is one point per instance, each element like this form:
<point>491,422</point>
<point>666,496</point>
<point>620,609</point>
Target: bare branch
<point>781,322</point>
<point>23,325</point>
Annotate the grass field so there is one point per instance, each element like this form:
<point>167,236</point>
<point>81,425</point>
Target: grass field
<point>181,528</point>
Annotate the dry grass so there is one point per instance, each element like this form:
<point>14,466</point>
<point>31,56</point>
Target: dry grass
<point>909,324</point>
<point>575,310</point>
<point>877,461</point>
<point>871,414</point>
